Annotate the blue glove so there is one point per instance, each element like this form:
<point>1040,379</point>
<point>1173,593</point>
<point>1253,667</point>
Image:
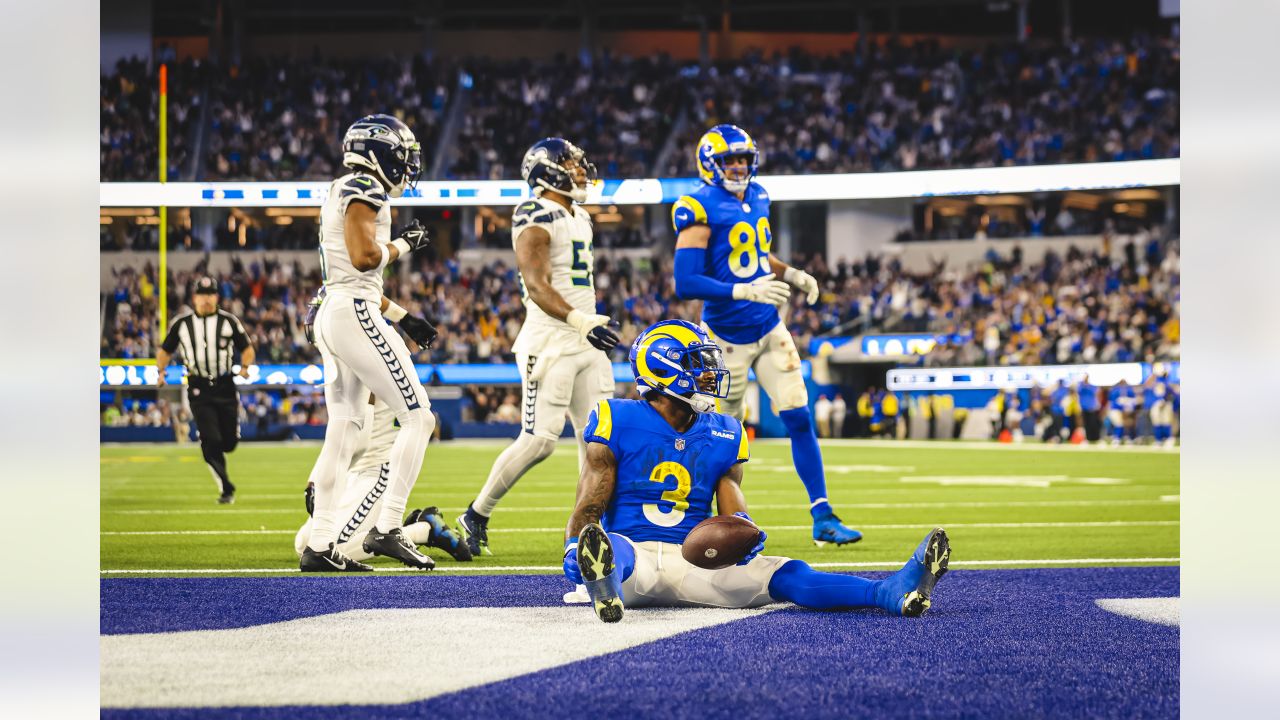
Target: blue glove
<point>759,548</point>
<point>571,570</point>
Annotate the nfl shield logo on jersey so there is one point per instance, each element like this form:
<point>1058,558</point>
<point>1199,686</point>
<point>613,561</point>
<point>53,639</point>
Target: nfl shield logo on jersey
<point>679,443</point>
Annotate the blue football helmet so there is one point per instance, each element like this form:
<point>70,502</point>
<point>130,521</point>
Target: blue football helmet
<point>675,357</point>
<point>724,141</point>
<point>546,167</point>
<point>386,148</point>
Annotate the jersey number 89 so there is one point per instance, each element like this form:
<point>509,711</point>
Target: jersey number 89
<point>749,247</point>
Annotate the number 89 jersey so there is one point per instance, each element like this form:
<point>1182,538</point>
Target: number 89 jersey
<point>666,479</point>
<point>572,265</point>
<point>738,252</point>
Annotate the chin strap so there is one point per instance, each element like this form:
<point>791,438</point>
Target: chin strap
<point>697,401</point>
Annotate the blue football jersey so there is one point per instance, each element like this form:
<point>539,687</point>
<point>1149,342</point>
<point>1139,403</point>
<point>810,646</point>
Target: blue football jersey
<point>666,479</point>
<point>738,252</point>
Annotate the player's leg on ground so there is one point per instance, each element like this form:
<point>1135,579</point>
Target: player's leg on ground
<point>210,431</point>
<point>798,583</point>
<point>778,371</point>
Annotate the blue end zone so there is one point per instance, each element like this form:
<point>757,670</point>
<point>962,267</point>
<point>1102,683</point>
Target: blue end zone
<point>1016,643</point>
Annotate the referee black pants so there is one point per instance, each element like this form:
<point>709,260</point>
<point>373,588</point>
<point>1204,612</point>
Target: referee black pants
<point>216,408</point>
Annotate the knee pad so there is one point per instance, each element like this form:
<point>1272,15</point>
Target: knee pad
<point>419,420</point>
<point>798,420</point>
<point>536,448</point>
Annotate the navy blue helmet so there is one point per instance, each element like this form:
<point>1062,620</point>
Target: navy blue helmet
<point>546,166</point>
<point>386,148</point>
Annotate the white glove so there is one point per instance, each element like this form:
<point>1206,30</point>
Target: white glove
<point>805,282</point>
<point>764,289</point>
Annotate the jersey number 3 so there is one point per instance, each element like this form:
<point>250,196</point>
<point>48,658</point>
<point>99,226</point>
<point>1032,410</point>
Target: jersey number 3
<point>678,496</point>
<point>749,247</point>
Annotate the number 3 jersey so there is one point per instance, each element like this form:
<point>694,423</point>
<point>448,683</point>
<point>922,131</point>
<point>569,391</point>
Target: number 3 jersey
<point>737,252</point>
<point>666,479</point>
<point>572,265</point>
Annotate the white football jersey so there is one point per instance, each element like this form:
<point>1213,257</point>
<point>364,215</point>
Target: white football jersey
<point>572,274</point>
<point>376,438</point>
<point>340,276</point>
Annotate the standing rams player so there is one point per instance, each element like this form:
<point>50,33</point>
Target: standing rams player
<point>562,349</point>
<point>722,257</point>
<point>361,352</point>
<point>208,340</point>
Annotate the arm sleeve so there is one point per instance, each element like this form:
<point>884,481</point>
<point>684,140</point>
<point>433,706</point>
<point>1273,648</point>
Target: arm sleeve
<point>239,339</point>
<point>170,344</point>
<point>361,188</point>
<point>691,281</point>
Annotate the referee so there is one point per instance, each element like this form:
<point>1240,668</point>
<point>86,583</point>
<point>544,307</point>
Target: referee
<point>207,339</point>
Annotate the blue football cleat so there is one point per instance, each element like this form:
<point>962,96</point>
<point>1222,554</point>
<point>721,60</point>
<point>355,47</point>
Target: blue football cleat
<point>475,532</point>
<point>599,574</point>
<point>907,591</point>
<point>829,529</point>
<point>442,536</point>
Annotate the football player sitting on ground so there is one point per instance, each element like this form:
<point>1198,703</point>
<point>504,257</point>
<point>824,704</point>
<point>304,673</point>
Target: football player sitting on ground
<point>361,500</point>
<point>653,467</point>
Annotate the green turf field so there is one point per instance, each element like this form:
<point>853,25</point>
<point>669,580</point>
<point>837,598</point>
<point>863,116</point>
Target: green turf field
<point>1003,506</point>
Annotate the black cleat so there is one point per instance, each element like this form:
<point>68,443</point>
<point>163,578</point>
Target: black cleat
<point>599,574</point>
<point>227,498</point>
<point>394,544</point>
<point>331,560</point>
<point>442,536</point>
<point>475,532</point>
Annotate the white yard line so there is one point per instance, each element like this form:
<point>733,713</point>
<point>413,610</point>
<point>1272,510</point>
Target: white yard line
<point>557,568</point>
<point>896,526</point>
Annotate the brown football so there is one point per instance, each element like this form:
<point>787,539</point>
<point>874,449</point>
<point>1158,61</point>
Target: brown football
<point>719,541</point>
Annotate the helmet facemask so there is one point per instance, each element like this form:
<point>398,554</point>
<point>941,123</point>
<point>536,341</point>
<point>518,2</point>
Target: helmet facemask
<point>736,180</point>
<point>702,376</point>
<point>564,175</point>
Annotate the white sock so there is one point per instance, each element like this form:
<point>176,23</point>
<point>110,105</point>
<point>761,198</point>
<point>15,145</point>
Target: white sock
<point>329,478</point>
<point>418,533</point>
<point>416,427</point>
<point>527,451</point>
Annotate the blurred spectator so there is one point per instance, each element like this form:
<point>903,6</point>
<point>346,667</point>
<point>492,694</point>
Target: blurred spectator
<point>838,413</point>
<point>822,415</point>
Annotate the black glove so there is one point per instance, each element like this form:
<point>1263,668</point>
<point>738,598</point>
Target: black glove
<point>419,330</point>
<point>309,322</point>
<point>415,235</point>
<point>603,337</point>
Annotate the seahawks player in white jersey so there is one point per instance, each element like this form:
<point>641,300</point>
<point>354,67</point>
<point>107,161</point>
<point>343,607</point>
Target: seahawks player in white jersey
<point>367,482</point>
<point>562,349</point>
<point>361,352</point>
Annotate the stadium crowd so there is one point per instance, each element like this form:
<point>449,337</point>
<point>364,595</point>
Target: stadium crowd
<point>1077,307</point>
<point>901,107</point>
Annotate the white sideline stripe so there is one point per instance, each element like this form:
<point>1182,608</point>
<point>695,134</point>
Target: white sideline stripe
<point>896,526</point>
<point>1159,610</point>
<point>557,568</point>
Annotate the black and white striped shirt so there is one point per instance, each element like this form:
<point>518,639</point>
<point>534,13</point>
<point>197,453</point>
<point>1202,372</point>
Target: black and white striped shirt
<point>209,345</point>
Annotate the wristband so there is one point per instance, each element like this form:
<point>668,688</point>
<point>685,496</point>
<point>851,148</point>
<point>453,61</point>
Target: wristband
<point>394,312</point>
<point>386,258</point>
<point>402,245</point>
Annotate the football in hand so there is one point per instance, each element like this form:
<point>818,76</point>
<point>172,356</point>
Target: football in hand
<point>720,541</point>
